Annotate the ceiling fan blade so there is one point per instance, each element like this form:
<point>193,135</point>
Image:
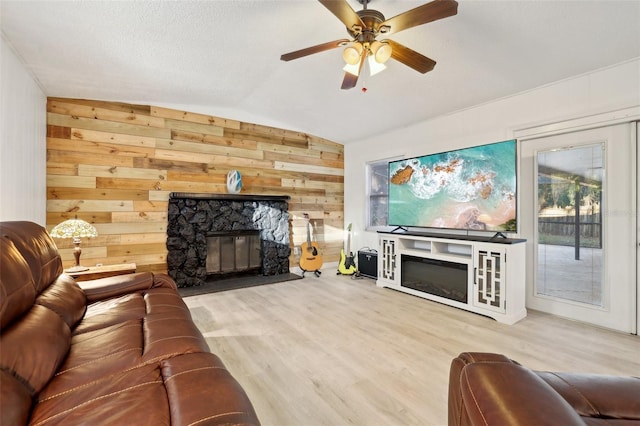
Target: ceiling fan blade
<point>351,80</point>
<point>411,58</point>
<point>429,12</point>
<point>313,49</point>
<point>344,12</point>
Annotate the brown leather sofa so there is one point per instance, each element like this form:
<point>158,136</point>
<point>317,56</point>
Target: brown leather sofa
<point>119,351</point>
<point>490,389</point>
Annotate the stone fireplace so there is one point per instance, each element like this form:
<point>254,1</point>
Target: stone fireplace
<point>194,218</point>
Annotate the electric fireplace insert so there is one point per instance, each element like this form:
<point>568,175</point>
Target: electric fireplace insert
<point>438,277</point>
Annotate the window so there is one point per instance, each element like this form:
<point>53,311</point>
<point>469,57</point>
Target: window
<point>377,193</point>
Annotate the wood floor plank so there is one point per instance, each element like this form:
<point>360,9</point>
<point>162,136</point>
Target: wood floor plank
<point>338,351</point>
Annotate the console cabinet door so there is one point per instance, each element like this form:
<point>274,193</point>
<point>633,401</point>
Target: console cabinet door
<point>489,289</point>
<point>388,267</point>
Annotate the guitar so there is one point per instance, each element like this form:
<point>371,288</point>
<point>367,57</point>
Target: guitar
<point>347,265</point>
<point>310,260</point>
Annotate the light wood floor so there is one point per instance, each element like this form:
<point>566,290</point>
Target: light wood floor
<point>338,351</point>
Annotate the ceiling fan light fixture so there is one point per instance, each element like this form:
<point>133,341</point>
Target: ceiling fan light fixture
<point>351,54</point>
<point>364,27</point>
<point>374,66</point>
<point>381,51</point>
<point>353,69</point>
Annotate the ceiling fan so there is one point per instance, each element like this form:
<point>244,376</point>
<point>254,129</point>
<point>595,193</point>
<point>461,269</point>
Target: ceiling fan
<point>364,26</point>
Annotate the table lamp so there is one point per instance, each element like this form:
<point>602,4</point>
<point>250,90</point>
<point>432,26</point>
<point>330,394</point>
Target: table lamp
<point>76,229</point>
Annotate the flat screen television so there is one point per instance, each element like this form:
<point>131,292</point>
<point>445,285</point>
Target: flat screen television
<point>471,189</point>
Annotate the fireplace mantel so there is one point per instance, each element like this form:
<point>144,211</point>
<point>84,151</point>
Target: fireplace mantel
<point>230,197</point>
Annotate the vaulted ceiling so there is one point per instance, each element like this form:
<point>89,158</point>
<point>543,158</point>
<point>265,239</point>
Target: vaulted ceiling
<point>222,57</point>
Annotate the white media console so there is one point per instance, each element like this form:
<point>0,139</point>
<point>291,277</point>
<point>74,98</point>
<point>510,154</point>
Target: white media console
<point>479,274</point>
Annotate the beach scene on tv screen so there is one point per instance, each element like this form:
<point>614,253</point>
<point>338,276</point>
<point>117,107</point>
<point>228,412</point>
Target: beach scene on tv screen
<point>472,189</point>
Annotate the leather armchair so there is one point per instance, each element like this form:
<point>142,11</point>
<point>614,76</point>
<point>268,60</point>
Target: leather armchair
<point>490,389</point>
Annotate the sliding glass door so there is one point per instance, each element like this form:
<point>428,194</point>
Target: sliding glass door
<point>579,204</point>
<point>569,220</point>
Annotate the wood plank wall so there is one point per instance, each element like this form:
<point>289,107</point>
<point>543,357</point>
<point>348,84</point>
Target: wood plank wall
<point>114,165</point>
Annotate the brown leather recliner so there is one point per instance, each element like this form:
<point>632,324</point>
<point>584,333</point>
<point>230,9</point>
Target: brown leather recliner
<point>490,389</point>
<point>120,351</point>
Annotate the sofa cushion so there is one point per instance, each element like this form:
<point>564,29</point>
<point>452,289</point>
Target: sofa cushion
<point>34,347</point>
<point>124,332</point>
<point>38,249</point>
<point>96,356</point>
<point>134,396</point>
<point>168,328</point>
<point>181,390</point>
<point>36,332</point>
<point>65,298</point>
<point>105,313</point>
<point>17,290</point>
<point>120,348</point>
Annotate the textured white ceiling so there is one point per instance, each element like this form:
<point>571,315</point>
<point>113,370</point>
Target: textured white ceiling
<point>223,57</point>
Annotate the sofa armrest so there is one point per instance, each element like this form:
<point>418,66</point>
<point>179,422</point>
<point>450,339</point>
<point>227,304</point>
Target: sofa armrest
<point>105,288</point>
<point>505,393</point>
<point>457,415</point>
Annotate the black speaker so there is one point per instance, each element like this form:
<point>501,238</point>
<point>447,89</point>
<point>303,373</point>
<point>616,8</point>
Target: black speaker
<point>368,263</point>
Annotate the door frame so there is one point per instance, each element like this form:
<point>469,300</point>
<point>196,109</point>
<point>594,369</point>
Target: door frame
<point>626,115</point>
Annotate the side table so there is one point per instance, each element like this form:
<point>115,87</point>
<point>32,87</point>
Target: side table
<point>95,272</point>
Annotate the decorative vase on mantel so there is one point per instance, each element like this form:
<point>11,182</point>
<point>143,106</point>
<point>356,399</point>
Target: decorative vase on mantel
<point>234,182</point>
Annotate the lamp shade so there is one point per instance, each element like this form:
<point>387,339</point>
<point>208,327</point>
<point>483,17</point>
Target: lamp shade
<point>74,228</point>
<point>381,51</point>
<point>374,66</point>
<point>352,69</point>
<point>351,54</point>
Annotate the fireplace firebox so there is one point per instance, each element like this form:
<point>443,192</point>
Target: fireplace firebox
<point>233,252</point>
<point>438,277</point>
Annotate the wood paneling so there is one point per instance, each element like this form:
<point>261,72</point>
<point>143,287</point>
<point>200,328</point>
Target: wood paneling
<point>114,165</point>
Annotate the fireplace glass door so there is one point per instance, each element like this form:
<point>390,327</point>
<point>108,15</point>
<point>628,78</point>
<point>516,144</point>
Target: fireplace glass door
<point>233,252</point>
